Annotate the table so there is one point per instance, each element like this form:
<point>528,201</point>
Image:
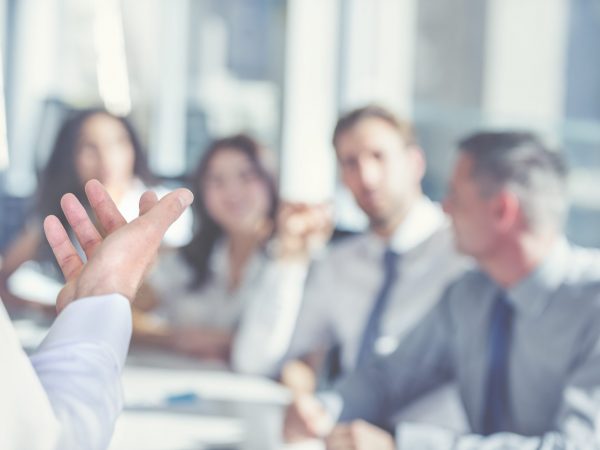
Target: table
<point>227,411</point>
<point>174,402</point>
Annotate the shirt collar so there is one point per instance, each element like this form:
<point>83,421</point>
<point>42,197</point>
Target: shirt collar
<point>532,294</point>
<point>423,219</point>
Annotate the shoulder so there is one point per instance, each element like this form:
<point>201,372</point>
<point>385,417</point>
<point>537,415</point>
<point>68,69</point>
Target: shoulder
<point>438,258</point>
<point>348,246</point>
<point>583,265</point>
<point>439,243</point>
<point>471,278</point>
<point>343,254</point>
<point>582,275</point>
<point>467,289</point>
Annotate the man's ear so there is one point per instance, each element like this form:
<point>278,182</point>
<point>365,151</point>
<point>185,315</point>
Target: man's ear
<point>419,164</point>
<point>507,210</point>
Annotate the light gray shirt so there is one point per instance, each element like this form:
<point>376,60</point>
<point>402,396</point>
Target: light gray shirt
<point>554,364</point>
<point>343,287</point>
<point>332,308</point>
<point>213,304</point>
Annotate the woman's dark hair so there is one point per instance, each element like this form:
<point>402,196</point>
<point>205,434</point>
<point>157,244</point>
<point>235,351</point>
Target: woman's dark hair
<point>60,174</point>
<point>198,252</point>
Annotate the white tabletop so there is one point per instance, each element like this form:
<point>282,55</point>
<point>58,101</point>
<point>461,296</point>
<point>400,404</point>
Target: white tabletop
<point>178,403</point>
<point>186,404</point>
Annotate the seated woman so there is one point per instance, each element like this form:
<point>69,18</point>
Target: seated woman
<point>206,287</point>
<point>90,144</point>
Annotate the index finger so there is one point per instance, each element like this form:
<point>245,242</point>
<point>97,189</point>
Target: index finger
<point>84,229</point>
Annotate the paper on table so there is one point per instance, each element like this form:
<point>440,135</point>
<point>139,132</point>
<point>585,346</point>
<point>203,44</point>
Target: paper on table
<point>30,283</point>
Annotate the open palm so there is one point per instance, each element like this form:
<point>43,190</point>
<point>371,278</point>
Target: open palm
<point>117,263</point>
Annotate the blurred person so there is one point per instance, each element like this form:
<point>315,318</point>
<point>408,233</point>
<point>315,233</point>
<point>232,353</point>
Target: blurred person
<point>68,394</point>
<point>365,293</point>
<point>520,333</point>
<point>205,289</point>
<point>91,144</point>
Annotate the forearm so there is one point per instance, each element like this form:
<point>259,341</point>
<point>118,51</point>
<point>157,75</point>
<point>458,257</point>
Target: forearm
<point>266,328</point>
<point>203,343</point>
<point>212,344</point>
<point>148,330</point>
<point>365,394</point>
<point>422,362</point>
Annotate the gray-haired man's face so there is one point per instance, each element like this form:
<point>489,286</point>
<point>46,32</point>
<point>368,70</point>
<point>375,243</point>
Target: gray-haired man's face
<point>476,219</point>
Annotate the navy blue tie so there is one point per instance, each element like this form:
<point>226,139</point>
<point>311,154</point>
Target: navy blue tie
<point>496,407</point>
<point>372,329</point>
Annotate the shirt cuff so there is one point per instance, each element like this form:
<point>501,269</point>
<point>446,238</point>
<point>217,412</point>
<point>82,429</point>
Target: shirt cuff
<point>332,402</point>
<point>424,437</point>
<point>104,318</point>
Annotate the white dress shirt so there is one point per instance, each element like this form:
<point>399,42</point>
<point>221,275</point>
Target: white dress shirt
<point>340,291</point>
<point>68,395</point>
<point>213,304</point>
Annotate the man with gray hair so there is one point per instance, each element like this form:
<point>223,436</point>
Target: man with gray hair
<point>520,334</point>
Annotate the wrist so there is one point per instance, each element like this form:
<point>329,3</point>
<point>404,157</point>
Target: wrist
<point>286,250</point>
<point>104,287</point>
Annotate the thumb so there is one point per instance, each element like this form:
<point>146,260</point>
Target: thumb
<point>168,209</point>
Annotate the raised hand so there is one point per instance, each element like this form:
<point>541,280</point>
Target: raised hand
<point>302,229</point>
<point>299,377</point>
<point>306,418</point>
<point>117,263</point>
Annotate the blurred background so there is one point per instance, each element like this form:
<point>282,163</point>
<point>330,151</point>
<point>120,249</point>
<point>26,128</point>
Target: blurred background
<point>188,71</point>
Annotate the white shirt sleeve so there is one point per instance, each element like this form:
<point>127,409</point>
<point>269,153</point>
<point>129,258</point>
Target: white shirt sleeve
<point>266,328</point>
<point>68,395</point>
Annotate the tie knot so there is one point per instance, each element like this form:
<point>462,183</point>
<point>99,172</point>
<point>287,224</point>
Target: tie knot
<point>503,301</point>
<point>502,311</point>
<point>390,259</point>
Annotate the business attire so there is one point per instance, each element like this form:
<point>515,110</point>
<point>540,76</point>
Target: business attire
<point>363,295</point>
<point>527,361</point>
<point>68,395</point>
<point>212,304</point>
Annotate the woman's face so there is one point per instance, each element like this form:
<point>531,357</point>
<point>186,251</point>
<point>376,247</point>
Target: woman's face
<point>104,151</point>
<point>235,195</point>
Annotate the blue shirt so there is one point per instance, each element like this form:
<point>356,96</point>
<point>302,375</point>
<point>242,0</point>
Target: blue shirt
<point>554,361</point>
